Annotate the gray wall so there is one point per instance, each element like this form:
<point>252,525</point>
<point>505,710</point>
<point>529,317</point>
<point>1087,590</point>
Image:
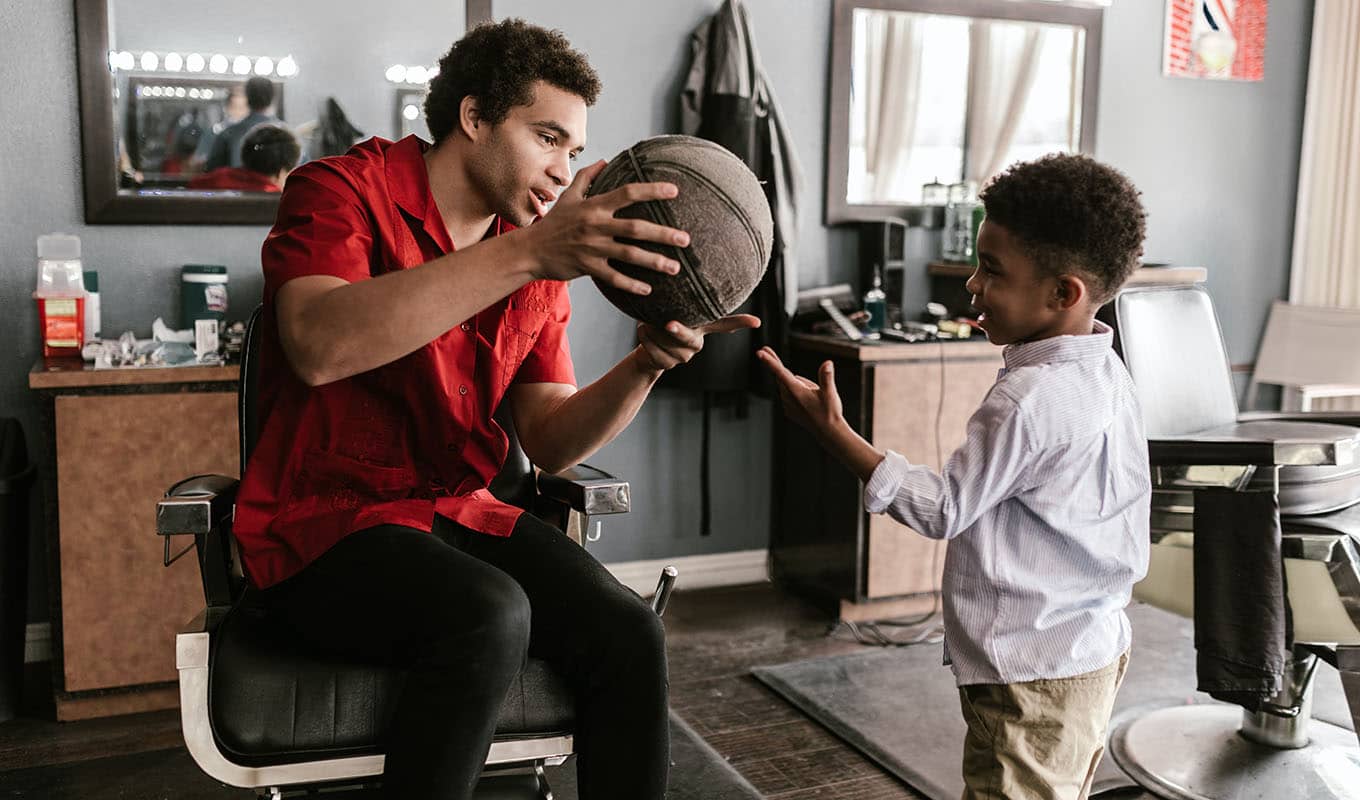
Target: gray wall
<point>1216,161</point>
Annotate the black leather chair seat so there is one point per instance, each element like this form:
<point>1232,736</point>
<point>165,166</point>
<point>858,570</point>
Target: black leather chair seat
<point>272,702</point>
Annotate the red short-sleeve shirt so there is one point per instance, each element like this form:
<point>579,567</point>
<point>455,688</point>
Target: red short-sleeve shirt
<point>410,439</point>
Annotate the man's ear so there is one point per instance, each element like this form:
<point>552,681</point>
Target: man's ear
<point>470,117</point>
<point>1070,291</point>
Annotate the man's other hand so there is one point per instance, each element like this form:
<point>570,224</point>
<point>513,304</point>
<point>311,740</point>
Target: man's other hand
<point>675,344</point>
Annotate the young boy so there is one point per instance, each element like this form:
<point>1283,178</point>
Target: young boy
<point>1047,501</point>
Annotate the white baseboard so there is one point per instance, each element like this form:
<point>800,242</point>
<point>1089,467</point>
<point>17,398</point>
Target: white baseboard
<point>37,642</point>
<point>696,572</point>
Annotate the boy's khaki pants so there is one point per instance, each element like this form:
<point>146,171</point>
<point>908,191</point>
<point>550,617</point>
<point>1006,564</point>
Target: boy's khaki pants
<point>1039,740</point>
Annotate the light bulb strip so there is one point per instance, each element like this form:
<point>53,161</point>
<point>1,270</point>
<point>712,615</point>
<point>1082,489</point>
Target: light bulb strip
<point>413,75</point>
<point>174,62</point>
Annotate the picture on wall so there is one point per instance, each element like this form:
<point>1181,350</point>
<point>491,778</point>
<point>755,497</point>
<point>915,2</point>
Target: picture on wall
<point>1217,39</point>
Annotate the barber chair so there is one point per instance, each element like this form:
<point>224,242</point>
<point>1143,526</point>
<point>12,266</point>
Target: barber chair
<point>1174,351</point>
<point>261,712</point>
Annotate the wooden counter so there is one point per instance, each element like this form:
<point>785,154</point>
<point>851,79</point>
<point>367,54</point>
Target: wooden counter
<point>116,439</point>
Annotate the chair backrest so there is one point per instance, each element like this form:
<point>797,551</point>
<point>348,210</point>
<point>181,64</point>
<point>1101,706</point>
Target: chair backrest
<point>1308,346</point>
<point>1173,348</point>
<point>246,416</point>
<point>514,484</point>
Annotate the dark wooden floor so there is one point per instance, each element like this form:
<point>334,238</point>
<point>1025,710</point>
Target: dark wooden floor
<point>715,637</point>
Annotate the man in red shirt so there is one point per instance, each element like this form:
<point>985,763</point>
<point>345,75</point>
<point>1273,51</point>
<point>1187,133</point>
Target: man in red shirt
<point>407,296</point>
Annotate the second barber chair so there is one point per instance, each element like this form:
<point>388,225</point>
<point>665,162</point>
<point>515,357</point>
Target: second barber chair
<point>1301,469</point>
<point>262,712</point>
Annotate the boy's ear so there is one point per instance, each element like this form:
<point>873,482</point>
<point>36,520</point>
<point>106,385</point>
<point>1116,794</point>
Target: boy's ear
<point>1070,291</point>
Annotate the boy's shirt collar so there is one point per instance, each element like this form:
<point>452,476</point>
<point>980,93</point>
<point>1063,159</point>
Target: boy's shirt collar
<point>1060,348</point>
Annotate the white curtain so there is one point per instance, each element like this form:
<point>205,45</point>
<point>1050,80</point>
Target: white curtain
<point>1004,61</point>
<point>893,97</point>
<point>1325,270</point>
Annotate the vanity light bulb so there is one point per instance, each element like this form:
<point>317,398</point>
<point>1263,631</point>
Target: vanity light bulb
<point>241,65</point>
<point>396,73</point>
<point>411,112</point>
<point>193,94</point>
<point>194,63</point>
<point>150,61</point>
<point>126,61</point>
<point>218,63</point>
<point>264,65</point>
<point>179,91</point>
<point>208,94</point>
<point>173,62</point>
<point>416,75</point>
<point>287,67</point>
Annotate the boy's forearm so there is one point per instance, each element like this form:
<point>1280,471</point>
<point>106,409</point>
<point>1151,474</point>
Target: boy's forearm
<point>851,449</point>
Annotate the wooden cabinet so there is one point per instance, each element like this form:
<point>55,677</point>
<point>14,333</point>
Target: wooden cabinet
<point>912,398</point>
<point>117,439</point>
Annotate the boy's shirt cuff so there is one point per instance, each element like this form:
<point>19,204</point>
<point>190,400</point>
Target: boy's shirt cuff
<point>885,482</point>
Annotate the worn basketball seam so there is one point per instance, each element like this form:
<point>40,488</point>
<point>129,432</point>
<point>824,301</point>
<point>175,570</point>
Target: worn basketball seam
<point>661,214</point>
<point>737,210</point>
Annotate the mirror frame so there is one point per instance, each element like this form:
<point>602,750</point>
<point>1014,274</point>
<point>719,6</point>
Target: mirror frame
<point>104,204</point>
<point>838,209</point>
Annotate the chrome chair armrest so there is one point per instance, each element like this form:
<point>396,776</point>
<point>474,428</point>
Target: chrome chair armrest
<point>196,505</point>
<point>1264,443</point>
<point>586,489</point>
<point>1351,418</point>
<point>202,507</point>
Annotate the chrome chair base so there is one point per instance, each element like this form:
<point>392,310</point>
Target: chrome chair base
<point>1197,752</point>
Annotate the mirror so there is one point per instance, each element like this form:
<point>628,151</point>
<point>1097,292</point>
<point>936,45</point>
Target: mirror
<point>194,113</point>
<point>943,91</point>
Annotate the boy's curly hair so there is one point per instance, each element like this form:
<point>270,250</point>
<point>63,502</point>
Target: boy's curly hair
<point>1072,213</point>
<point>499,63</point>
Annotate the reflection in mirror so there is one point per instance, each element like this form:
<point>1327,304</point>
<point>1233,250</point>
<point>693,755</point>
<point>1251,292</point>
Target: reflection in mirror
<point>944,98</point>
<point>191,81</point>
<point>181,132</point>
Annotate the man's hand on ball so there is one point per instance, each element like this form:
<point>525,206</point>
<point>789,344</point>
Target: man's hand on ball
<point>675,344</point>
<point>580,234</point>
<point>815,406</point>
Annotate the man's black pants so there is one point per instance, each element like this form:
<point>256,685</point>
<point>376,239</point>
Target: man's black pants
<point>460,610</point>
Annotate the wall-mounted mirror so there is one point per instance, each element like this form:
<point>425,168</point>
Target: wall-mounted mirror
<point>174,96</point>
<point>944,91</point>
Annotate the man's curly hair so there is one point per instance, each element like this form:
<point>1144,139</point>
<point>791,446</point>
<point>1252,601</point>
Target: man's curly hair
<point>499,63</point>
<point>1072,214</point>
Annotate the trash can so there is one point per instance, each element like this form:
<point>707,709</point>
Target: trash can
<point>16,480</point>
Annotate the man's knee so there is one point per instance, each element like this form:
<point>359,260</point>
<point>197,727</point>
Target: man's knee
<point>485,619</point>
<point>641,636</point>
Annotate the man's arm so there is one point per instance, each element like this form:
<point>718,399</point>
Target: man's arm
<point>332,329</point>
<point>559,426</point>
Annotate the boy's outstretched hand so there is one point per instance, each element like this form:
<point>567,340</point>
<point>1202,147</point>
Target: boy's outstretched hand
<point>814,406</point>
<point>817,407</point>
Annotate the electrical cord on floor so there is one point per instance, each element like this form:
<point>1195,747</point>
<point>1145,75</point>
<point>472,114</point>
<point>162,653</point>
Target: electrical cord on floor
<point>929,627</point>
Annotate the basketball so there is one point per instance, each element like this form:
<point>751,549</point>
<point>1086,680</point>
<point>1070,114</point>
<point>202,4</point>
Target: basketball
<point>723,208</point>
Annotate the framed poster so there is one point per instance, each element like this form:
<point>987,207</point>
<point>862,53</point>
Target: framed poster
<point>1216,39</point>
